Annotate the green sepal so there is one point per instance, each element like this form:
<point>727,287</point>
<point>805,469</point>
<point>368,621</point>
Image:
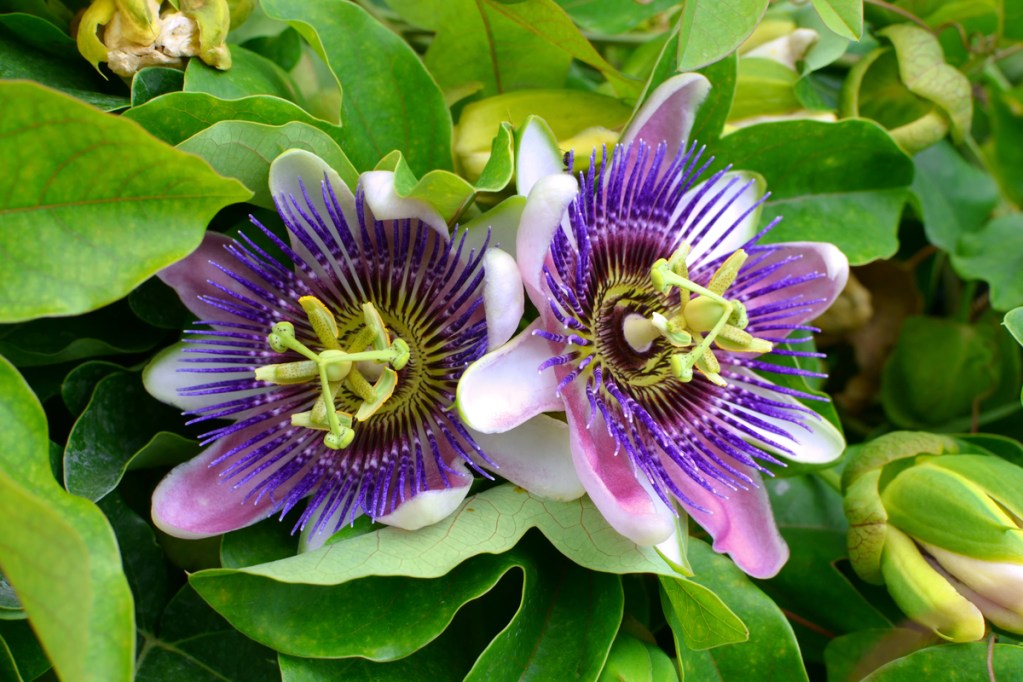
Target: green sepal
<point>867,523</point>
<point>925,595</point>
<point>940,507</point>
<point>92,48</point>
<point>213,17</point>
<point>1000,479</point>
<point>895,446</point>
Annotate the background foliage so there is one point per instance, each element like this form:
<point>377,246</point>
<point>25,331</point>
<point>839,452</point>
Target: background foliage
<point>897,134</point>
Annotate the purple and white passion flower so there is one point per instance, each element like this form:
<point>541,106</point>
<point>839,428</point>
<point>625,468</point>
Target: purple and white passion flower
<point>656,300</point>
<point>337,368</point>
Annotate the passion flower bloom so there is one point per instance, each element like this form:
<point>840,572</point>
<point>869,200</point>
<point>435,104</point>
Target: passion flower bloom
<point>656,300</point>
<point>337,367</point>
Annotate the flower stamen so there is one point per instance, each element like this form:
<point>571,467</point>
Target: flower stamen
<point>334,366</point>
<point>704,317</point>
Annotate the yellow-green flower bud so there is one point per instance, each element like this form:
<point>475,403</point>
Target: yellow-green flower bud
<point>943,530</point>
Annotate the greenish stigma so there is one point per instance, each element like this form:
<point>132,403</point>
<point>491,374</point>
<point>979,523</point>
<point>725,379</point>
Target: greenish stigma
<point>704,317</point>
<point>335,366</point>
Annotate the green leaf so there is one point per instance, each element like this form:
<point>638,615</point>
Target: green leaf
<point>842,182</point>
<point>177,116</point>
<point>500,167</point>
<point>490,521</point>
<point>636,660</point>
<point>106,205</point>
<point>923,70</point>
<point>915,395</point>
<point>195,643</point>
<point>250,74</point>
<point>34,49</point>
<point>284,49</point>
<point>613,16</point>
<point>359,618</point>
<point>953,663</point>
<point>77,387</point>
<point>560,600</point>
<point>706,621</point>
<point>1013,321</point>
<point>244,150</point>
<point>21,655</point>
<point>59,553</point>
<point>154,81</point>
<point>446,192</point>
<point>1004,148</point>
<point>844,17</point>
<point>711,29</point>
<point>853,656</point>
<point>389,100</point>
<point>119,420</point>
<point>111,330</point>
<point>994,254</point>
<point>954,197</point>
<point>712,114</point>
<point>157,305</point>
<point>764,88</point>
<point>771,644</point>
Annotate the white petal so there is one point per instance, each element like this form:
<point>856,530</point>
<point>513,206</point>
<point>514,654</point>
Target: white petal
<point>427,507</point>
<point>535,456</point>
<point>788,49</point>
<point>821,444</point>
<point>537,154</point>
<point>297,168</point>
<point>164,377</point>
<point>542,215</point>
<point>503,298</point>
<point>383,200</point>
<point>703,232</point>
<point>503,388</point>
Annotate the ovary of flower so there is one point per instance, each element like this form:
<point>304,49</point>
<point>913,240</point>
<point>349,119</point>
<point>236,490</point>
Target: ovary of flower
<point>708,318</point>
<point>334,366</point>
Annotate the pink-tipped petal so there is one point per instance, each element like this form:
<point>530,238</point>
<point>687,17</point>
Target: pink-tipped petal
<point>801,259</point>
<point>166,376</point>
<point>535,456</point>
<point>668,113</point>
<point>383,200</point>
<point>715,232</point>
<point>537,154</point>
<point>610,479</point>
<point>819,442</point>
<point>542,215</point>
<point>193,501</point>
<point>503,298</point>
<point>742,525</point>
<point>504,388</point>
<point>192,277</point>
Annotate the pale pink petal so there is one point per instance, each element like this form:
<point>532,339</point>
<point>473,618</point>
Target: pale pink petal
<point>817,442</point>
<point>668,113</point>
<point>720,230</point>
<point>609,477</point>
<point>535,456</point>
<point>194,501</point>
<point>503,297</point>
<point>542,215</point>
<point>801,259</point>
<point>537,154</point>
<point>742,525</point>
<point>194,276</point>
<point>504,388</point>
<point>166,375</point>
<point>382,198</point>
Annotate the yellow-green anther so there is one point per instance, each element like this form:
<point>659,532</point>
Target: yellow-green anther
<point>382,390</point>
<point>317,418</point>
<point>726,273</point>
<point>381,338</point>
<point>659,272</point>
<point>322,321</point>
<point>286,373</point>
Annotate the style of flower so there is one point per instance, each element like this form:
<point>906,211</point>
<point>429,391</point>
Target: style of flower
<point>656,299</point>
<point>337,370</point>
